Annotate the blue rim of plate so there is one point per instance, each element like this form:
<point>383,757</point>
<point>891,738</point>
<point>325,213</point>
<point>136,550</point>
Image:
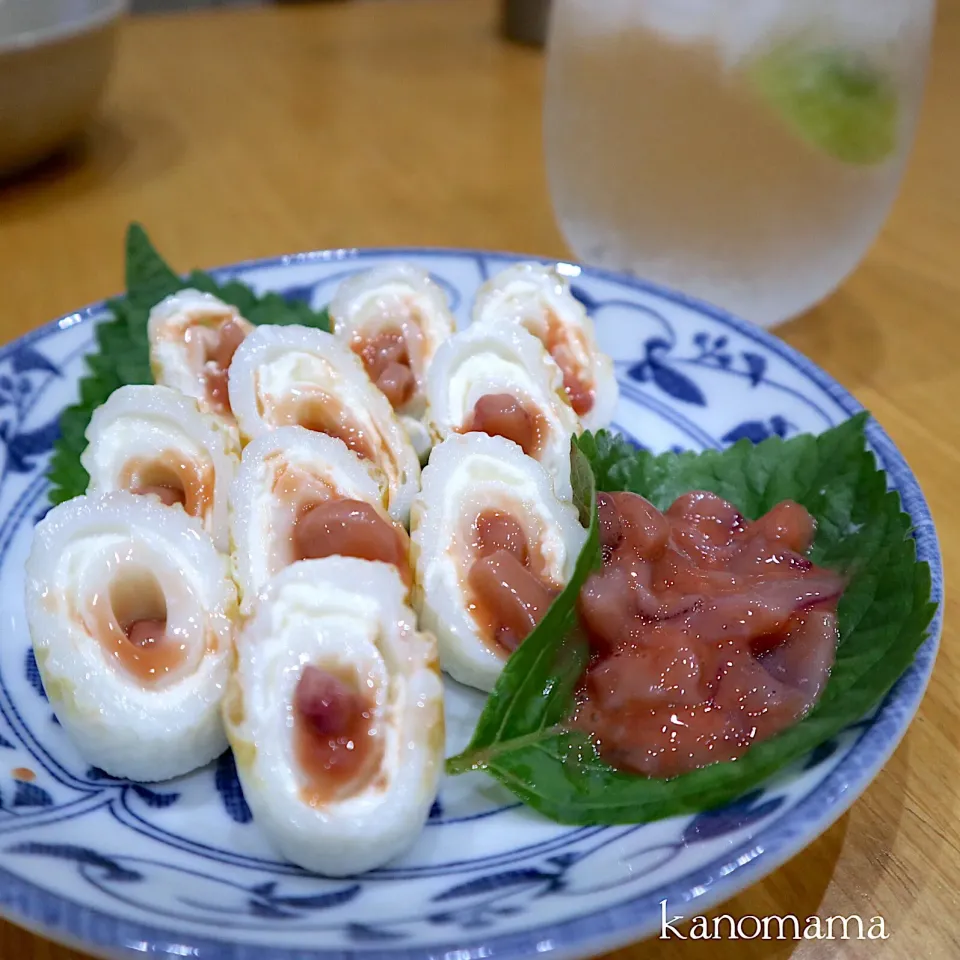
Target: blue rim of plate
<point>84,928</point>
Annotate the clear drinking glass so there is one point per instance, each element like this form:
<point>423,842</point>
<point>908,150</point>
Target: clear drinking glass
<point>744,151</point>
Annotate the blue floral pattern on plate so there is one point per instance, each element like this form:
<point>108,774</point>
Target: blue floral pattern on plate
<point>179,868</point>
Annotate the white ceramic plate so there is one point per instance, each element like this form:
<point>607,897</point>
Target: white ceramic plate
<point>180,870</point>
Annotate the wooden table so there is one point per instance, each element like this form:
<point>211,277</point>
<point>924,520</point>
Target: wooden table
<point>248,133</point>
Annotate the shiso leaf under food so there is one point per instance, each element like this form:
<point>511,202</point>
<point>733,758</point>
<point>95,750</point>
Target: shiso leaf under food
<point>123,351</point>
<point>883,618</point>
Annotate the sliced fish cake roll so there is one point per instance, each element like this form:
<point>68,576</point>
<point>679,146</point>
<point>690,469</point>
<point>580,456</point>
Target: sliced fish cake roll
<point>301,495</point>
<point>193,337</point>
<point>394,318</point>
<point>335,715</point>
<point>539,298</point>
<point>131,611</point>
<point>293,375</point>
<point>492,547</point>
<point>155,441</point>
<point>498,379</point>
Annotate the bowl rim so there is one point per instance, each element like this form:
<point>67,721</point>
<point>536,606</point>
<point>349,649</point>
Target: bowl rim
<point>41,36</point>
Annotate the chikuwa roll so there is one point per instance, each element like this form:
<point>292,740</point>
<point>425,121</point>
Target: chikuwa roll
<point>539,298</point>
<point>293,375</point>
<point>394,317</point>
<point>193,337</point>
<point>301,495</point>
<point>335,715</point>
<point>155,441</point>
<point>492,547</point>
<point>130,610</point>
<point>498,379</point>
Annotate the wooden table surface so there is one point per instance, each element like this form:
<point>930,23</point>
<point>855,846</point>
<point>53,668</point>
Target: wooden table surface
<point>253,132</point>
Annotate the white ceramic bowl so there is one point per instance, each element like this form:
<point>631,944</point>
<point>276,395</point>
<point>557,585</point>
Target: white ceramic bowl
<point>55,56</point>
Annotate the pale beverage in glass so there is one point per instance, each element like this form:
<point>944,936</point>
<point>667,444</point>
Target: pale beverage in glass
<point>742,151</point>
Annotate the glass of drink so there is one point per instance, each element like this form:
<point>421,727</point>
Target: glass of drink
<point>746,152</point>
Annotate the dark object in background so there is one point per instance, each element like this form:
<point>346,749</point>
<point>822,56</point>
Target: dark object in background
<point>174,6</point>
<point>525,21</point>
<point>55,58</point>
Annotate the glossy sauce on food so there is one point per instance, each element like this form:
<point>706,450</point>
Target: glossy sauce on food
<point>129,620</point>
<point>322,413</point>
<point>349,528</point>
<point>173,479</point>
<point>709,632</point>
<point>503,415</point>
<point>509,594</point>
<point>579,391</point>
<point>386,358</point>
<point>336,744</point>
<point>218,345</point>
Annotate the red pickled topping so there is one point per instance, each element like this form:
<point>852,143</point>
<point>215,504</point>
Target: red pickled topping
<point>229,337</point>
<point>496,530</point>
<point>607,607</point>
<point>217,380</point>
<point>352,435</point>
<point>804,657</point>
<point>514,599</point>
<point>671,673</point>
<point>335,742</point>
<point>387,362</point>
<point>762,704</point>
<point>508,594</point>
<point>325,414</point>
<point>579,392</point>
<point>398,383</point>
<point>130,623</point>
<point>609,518</point>
<point>760,553</point>
<point>715,520</point>
<point>143,648</point>
<point>325,702</point>
<point>349,528</point>
<point>767,609</point>
<point>503,415</point>
<point>645,529</point>
<point>221,345</point>
<point>788,524</point>
<point>657,742</point>
<point>709,632</point>
<point>172,478</point>
<point>145,633</point>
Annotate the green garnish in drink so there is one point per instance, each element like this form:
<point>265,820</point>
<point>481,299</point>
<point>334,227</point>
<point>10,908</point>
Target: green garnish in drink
<point>832,98</point>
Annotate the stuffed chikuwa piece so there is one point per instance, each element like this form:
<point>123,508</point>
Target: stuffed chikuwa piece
<point>131,613</point>
<point>301,495</point>
<point>499,380</point>
<point>335,715</point>
<point>492,546</point>
<point>157,442</point>
<point>300,376</point>
<point>193,337</point>
<point>395,317</point>
<point>538,297</point>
